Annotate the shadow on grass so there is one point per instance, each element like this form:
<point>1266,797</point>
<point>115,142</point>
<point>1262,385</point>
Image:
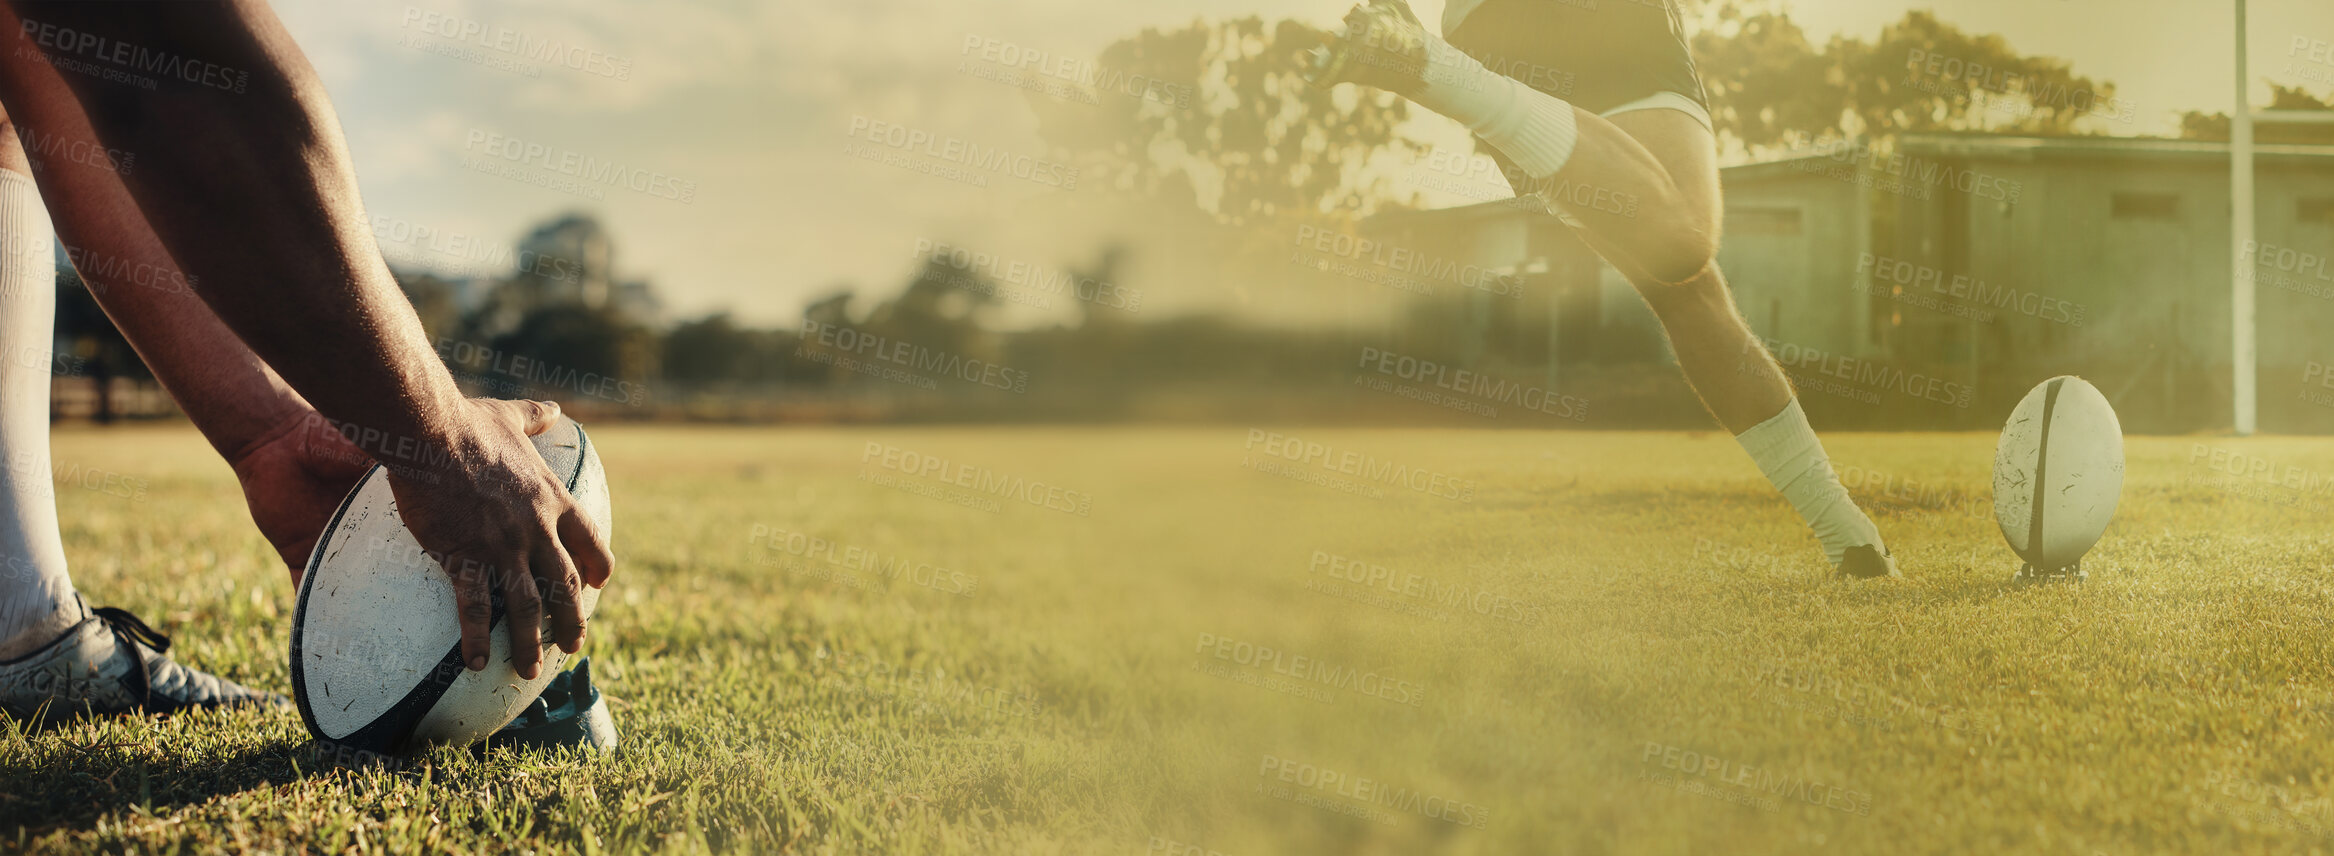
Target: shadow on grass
<point>58,783</point>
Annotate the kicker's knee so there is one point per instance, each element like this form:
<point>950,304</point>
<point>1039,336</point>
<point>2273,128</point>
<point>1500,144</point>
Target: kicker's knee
<point>1702,288</point>
<point>1681,256</point>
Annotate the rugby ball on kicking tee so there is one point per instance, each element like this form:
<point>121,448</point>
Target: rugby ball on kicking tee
<point>2058,473</point>
<point>376,647</point>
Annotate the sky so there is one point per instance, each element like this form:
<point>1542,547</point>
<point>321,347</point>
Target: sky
<point>741,127</point>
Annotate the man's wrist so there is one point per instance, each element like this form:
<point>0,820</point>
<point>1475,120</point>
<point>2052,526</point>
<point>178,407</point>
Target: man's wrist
<point>412,432</point>
<point>287,420</point>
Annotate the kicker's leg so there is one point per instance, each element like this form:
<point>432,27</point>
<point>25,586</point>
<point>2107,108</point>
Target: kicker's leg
<point>1727,365</point>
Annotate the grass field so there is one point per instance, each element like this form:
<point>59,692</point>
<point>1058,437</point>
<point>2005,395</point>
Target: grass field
<point>1578,643</point>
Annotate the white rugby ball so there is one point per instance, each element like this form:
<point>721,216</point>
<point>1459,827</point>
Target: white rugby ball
<point>376,648</point>
<point>2058,472</point>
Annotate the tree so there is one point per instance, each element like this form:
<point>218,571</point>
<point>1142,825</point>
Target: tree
<point>568,352</point>
<point>1771,89</point>
<point>712,349</point>
<point>1768,87</point>
<point>715,353</point>
<point>2196,125</point>
<point>1231,126</point>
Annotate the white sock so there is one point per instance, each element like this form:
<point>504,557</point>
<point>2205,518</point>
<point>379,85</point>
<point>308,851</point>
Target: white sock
<point>1533,128</point>
<point>1787,451</point>
<point>37,602</point>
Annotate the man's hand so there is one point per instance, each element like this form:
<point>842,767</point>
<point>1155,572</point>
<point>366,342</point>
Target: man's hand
<point>293,479</point>
<point>496,518</point>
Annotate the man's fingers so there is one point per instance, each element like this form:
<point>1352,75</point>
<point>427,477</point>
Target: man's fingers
<point>524,609</point>
<point>474,606</point>
<point>561,586</point>
<point>583,544</point>
<point>541,415</point>
<point>525,416</point>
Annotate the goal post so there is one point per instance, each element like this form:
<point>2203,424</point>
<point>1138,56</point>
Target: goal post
<point>2244,357</point>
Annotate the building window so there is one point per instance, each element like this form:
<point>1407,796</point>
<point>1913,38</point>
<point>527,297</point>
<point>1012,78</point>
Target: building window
<point>2314,209</point>
<point>2146,206</point>
<point>1763,221</point>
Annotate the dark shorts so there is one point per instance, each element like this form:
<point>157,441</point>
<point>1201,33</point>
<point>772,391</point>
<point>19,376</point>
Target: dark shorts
<point>1594,54</point>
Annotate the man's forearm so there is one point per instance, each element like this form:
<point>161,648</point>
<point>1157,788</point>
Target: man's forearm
<point>212,167</point>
